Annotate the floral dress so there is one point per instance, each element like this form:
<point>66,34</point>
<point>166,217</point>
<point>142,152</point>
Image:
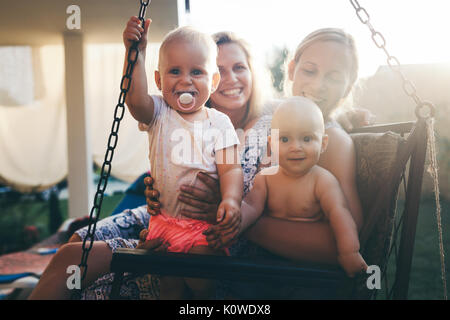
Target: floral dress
<point>122,230</point>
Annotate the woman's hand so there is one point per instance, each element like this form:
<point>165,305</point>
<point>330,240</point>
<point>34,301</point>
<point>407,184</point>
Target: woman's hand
<point>151,196</point>
<point>356,118</point>
<point>156,245</point>
<point>219,237</point>
<point>221,234</point>
<point>206,201</point>
<point>226,232</point>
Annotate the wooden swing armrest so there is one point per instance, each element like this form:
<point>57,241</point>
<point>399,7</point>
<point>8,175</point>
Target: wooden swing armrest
<point>397,127</point>
<point>225,268</point>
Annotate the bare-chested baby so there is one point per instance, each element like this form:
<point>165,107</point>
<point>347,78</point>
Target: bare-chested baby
<point>297,188</point>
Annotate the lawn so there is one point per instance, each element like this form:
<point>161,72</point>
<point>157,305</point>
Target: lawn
<point>30,211</point>
<point>425,281</point>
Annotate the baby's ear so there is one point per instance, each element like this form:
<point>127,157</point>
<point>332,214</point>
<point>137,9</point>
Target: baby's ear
<point>324,143</point>
<point>215,81</point>
<point>158,79</point>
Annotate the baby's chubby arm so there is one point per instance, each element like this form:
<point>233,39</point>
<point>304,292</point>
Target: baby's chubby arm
<point>334,205</point>
<point>251,209</point>
<point>231,181</point>
<point>139,102</point>
<point>254,202</point>
<point>229,211</point>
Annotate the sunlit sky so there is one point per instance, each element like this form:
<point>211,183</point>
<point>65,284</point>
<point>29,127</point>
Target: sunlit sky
<point>416,31</point>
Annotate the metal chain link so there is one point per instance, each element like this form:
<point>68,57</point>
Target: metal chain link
<point>393,63</point>
<point>119,112</point>
<point>410,90</point>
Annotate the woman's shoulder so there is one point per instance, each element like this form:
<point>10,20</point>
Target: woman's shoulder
<point>339,153</point>
<point>261,123</point>
<point>332,123</point>
<point>269,106</point>
<point>337,134</point>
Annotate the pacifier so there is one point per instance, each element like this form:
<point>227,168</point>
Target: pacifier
<point>186,101</point>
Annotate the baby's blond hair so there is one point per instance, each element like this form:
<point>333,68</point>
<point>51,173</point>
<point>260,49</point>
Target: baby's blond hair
<point>190,35</point>
<point>301,106</point>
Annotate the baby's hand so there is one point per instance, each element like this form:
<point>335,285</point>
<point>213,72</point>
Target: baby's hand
<point>353,263</point>
<point>228,213</point>
<point>225,232</point>
<point>134,32</point>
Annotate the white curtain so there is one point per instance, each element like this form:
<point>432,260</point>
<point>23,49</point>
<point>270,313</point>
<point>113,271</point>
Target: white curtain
<point>33,134</point>
<point>20,76</point>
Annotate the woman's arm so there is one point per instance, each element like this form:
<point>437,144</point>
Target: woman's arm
<point>355,118</point>
<point>304,241</point>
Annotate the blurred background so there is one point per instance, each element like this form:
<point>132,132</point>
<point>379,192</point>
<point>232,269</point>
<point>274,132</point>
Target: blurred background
<point>56,110</point>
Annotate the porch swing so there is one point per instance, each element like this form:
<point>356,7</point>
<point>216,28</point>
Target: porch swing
<point>383,153</point>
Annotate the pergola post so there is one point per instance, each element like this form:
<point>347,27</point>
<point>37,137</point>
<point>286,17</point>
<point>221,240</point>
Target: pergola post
<point>78,138</point>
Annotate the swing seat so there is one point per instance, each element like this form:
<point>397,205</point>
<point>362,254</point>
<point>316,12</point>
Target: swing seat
<point>382,154</point>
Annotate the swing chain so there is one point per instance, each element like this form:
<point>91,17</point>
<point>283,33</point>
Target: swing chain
<point>410,90</point>
<point>394,64</point>
<point>112,143</point>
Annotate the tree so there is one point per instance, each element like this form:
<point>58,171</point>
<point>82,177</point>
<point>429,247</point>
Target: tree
<point>276,67</point>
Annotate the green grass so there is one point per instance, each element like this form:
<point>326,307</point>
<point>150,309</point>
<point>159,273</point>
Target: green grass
<point>425,279</point>
<point>425,275</point>
<point>14,216</point>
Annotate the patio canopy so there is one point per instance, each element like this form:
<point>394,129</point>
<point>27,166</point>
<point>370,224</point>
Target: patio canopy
<point>31,22</point>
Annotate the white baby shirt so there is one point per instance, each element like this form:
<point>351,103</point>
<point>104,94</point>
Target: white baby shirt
<point>180,149</point>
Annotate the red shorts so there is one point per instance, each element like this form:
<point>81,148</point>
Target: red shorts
<point>182,234</point>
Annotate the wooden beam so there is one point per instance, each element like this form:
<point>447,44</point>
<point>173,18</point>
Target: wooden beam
<point>31,22</point>
<point>78,138</point>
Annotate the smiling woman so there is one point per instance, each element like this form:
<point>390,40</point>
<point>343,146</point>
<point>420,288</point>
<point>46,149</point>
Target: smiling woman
<point>325,66</point>
<point>236,79</point>
<point>242,81</point>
